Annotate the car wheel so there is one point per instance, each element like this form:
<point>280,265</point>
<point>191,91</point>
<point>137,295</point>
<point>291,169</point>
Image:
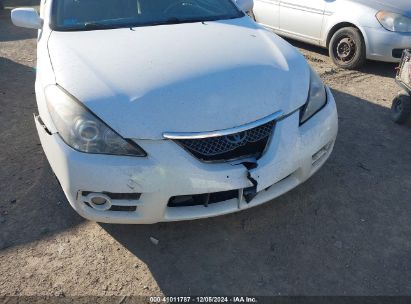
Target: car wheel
<point>401,109</point>
<point>347,48</point>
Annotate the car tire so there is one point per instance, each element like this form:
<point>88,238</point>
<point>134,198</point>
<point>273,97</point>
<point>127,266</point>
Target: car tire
<point>347,48</point>
<point>401,109</point>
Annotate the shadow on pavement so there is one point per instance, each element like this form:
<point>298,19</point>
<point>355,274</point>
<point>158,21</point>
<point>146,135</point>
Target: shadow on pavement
<point>308,47</point>
<point>344,232</point>
<point>384,69</point>
<point>30,206</point>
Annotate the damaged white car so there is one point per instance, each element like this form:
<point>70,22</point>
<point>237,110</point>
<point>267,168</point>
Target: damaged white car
<point>170,110</point>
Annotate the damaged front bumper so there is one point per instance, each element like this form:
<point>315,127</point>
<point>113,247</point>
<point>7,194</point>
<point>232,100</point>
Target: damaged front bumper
<point>139,190</point>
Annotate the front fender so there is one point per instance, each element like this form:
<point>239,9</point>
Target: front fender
<point>345,14</point>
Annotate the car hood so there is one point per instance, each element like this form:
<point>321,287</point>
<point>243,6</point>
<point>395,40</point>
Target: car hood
<point>192,77</point>
<point>402,7</point>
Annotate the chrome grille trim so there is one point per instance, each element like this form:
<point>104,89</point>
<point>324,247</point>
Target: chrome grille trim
<point>201,135</point>
<point>213,146</point>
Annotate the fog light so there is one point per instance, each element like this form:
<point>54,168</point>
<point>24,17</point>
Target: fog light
<point>318,157</point>
<point>98,201</point>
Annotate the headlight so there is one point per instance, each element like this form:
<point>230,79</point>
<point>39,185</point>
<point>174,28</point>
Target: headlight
<point>317,97</point>
<point>82,130</point>
<point>394,22</point>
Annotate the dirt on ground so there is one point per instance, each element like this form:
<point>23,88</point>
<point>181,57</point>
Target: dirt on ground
<point>346,231</point>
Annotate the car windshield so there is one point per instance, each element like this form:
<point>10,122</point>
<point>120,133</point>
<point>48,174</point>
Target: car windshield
<point>106,14</point>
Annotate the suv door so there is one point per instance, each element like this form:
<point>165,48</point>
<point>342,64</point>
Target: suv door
<point>302,19</point>
<point>267,12</point>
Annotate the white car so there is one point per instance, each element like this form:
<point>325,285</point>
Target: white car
<point>352,30</point>
<point>170,110</point>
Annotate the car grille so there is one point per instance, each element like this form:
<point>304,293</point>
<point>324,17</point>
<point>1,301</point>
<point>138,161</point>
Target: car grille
<point>248,143</point>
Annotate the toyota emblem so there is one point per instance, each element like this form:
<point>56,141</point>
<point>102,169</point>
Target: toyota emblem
<point>237,139</point>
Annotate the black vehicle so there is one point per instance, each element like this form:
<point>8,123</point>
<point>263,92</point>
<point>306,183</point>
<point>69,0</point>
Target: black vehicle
<point>401,105</point>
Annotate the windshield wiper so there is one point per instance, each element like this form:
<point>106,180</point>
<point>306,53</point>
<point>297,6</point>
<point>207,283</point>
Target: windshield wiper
<point>99,26</point>
<point>175,20</point>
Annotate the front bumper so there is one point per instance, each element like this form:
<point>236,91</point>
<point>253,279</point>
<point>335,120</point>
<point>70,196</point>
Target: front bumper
<point>170,171</point>
<point>383,45</point>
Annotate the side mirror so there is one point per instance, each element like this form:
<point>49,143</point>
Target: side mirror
<point>245,5</point>
<point>26,17</point>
